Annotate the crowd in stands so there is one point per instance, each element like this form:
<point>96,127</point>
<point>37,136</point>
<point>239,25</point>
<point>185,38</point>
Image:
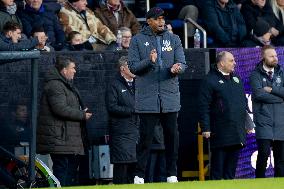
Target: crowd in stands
<point>229,23</point>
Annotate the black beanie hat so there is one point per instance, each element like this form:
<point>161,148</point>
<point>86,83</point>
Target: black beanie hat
<point>261,27</point>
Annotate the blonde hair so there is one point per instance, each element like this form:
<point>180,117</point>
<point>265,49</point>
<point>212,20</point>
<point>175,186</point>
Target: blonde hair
<point>276,9</point>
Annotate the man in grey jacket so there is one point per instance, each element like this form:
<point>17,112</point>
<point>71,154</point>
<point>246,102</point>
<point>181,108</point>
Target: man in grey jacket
<point>267,82</point>
<point>156,57</point>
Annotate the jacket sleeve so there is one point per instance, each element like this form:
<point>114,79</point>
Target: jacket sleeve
<point>249,17</point>
<point>179,54</point>
<point>57,100</point>
<point>259,94</point>
<point>135,63</point>
<point>279,90</point>
<point>21,45</point>
<point>212,22</point>
<point>113,106</point>
<point>204,101</point>
<point>59,33</point>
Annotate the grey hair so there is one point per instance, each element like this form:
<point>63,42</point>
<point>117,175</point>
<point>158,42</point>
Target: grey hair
<point>220,56</point>
<point>122,61</point>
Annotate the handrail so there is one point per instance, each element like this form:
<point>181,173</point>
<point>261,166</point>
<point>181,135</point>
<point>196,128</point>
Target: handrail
<point>186,32</point>
<point>148,5</point>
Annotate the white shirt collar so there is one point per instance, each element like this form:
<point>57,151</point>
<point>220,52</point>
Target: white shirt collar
<point>268,69</point>
<point>224,72</point>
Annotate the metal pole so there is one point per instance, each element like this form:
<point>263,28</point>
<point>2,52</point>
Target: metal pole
<point>185,35</point>
<point>34,86</point>
<point>148,5</point>
<point>199,27</point>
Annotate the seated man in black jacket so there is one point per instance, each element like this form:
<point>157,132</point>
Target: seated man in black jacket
<point>10,39</point>
<point>224,23</point>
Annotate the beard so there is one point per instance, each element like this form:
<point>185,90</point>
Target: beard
<point>270,64</point>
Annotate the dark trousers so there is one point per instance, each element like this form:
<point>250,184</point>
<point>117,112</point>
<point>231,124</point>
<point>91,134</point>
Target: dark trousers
<point>263,146</point>
<point>65,168</point>
<point>123,173</point>
<point>169,123</point>
<point>224,162</point>
<point>156,167</point>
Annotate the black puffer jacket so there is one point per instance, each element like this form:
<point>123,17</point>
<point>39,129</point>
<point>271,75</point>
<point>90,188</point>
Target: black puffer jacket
<point>222,109</point>
<point>61,118</point>
<point>123,122</point>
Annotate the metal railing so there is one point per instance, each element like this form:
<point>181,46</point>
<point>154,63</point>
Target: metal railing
<point>187,20</point>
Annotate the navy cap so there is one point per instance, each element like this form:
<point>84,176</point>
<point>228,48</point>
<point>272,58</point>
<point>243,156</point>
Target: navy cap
<point>155,12</point>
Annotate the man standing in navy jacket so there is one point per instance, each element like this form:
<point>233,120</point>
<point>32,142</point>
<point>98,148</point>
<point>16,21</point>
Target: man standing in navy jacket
<point>268,110</point>
<point>156,57</point>
<point>222,114</point>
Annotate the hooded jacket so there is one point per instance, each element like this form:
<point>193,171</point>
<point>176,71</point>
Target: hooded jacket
<point>268,108</point>
<point>61,117</point>
<point>157,89</point>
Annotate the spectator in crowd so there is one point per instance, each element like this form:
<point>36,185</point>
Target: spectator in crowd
<point>125,41</point>
<point>75,16</point>
<point>43,46</point>
<point>189,10</point>
<point>224,23</point>
<point>115,15</point>
<point>222,115</point>
<point>36,15</point>
<point>8,10</point>
<point>10,39</point>
<point>61,130</point>
<point>157,57</point>
<point>268,106</point>
<point>75,42</point>
<point>169,26</point>
<point>123,125</point>
<point>252,10</point>
<point>16,126</point>
<point>278,9</point>
<point>261,36</point>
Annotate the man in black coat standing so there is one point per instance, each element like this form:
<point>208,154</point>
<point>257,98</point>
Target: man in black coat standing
<point>222,112</point>
<point>268,110</point>
<point>123,124</point>
<point>61,130</point>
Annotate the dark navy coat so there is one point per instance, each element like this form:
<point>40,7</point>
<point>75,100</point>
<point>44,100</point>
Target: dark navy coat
<point>268,108</point>
<point>222,109</point>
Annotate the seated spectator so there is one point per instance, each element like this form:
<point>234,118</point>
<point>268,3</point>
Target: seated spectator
<point>125,41</point>
<point>75,16</point>
<point>75,42</point>
<point>278,9</point>
<point>261,36</point>
<point>10,39</point>
<point>8,10</point>
<point>255,9</point>
<point>36,15</point>
<point>169,26</point>
<point>43,46</point>
<point>224,23</point>
<point>115,14</point>
<point>189,10</point>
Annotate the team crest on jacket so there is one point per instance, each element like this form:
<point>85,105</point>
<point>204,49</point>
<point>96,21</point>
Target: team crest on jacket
<point>236,79</point>
<point>278,80</point>
<point>221,81</point>
<point>146,44</point>
<point>166,45</point>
